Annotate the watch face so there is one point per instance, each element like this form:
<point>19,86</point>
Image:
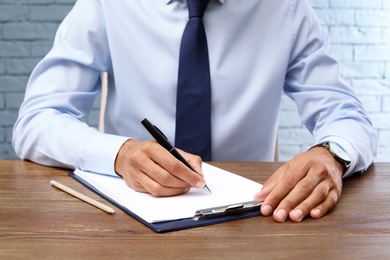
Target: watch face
<point>339,151</point>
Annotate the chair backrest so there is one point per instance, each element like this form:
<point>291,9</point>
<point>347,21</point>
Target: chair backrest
<point>103,101</point>
<point>276,154</point>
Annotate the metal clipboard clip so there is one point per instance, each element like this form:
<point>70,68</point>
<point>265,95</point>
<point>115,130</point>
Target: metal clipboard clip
<point>227,210</point>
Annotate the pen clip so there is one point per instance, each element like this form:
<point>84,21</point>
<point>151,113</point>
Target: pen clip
<point>157,134</point>
<point>227,210</point>
<point>160,132</point>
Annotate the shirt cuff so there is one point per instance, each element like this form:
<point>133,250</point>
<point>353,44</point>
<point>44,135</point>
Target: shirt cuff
<point>100,154</point>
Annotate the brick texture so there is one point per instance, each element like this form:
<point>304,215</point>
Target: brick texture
<point>359,30</point>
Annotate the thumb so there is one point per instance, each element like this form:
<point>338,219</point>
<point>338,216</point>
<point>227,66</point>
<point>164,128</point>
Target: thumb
<point>269,185</point>
<point>263,193</point>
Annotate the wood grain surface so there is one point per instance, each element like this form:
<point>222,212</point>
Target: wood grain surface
<point>38,221</point>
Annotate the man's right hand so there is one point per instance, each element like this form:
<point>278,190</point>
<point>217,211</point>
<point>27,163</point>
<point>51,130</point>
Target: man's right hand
<point>147,167</point>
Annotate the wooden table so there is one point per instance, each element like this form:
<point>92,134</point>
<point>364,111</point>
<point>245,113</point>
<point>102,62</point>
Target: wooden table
<point>39,221</point>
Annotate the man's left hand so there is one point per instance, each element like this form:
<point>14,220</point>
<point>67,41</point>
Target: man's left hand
<point>310,183</point>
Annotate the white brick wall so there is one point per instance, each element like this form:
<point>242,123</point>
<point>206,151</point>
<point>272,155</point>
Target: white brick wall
<point>359,29</point>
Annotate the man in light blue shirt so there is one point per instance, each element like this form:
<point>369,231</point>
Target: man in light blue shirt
<point>257,50</point>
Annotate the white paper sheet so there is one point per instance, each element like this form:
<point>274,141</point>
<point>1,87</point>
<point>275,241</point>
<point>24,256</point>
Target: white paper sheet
<point>227,188</point>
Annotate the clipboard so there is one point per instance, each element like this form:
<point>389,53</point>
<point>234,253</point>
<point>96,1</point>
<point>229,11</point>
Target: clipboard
<point>200,217</point>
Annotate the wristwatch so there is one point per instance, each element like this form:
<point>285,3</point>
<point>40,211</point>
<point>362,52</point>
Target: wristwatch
<point>337,152</point>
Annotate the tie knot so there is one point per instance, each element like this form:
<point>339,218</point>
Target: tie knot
<point>196,8</point>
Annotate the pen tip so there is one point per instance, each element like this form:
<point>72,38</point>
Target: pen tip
<point>207,189</point>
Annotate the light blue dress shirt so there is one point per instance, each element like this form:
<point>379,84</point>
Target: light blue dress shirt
<point>257,49</point>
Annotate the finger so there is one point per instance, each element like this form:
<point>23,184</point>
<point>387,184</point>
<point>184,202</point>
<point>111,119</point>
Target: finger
<point>134,185</point>
<point>326,205</point>
<point>323,199</point>
<point>319,194</point>
<point>270,184</point>
<point>287,182</point>
<point>164,168</point>
<point>178,169</point>
<point>139,164</point>
<point>160,176</point>
<point>194,160</point>
<point>157,190</point>
<point>137,159</point>
<point>146,184</point>
<point>308,193</point>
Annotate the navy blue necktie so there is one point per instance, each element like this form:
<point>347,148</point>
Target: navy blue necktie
<point>193,106</point>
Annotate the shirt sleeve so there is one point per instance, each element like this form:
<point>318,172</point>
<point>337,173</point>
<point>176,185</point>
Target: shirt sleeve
<point>49,129</point>
<point>328,107</point>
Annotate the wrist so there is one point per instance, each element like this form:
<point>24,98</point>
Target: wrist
<point>324,152</point>
<point>121,156</point>
<point>338,153</point>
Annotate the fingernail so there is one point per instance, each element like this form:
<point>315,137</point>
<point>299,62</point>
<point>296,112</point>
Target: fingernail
<point>281,215</point>
<point>316,213</point>
<point>297,215</point>
<point>200,184</point>
<point>266,210</point>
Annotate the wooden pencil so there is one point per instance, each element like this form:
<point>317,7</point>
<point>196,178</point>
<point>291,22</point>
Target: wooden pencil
<point>82,197</point>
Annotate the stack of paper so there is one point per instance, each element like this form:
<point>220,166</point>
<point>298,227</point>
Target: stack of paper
<point>227,188</point>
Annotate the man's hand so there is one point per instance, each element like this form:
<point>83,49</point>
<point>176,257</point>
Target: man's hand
<point>310,183</point>
<point>147,167</point>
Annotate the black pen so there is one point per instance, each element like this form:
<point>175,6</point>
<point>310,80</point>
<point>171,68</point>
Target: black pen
<point>164,142</point>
